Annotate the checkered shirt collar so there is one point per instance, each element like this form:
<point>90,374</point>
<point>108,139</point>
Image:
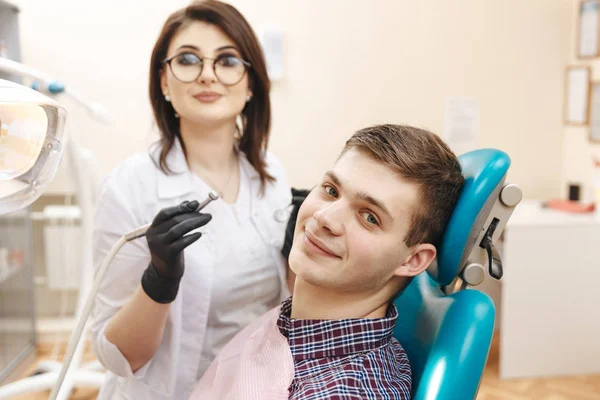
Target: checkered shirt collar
<point>312,339</point>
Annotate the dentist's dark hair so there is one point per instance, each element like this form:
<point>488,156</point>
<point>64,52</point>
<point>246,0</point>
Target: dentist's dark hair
<point>256,115</point>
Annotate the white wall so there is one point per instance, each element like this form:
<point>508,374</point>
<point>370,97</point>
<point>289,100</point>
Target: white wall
<point>348,64</point>
<point>578,150</point>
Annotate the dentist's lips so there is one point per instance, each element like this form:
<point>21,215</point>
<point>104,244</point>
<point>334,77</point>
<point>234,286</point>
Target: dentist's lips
<point>316,246</point>
<point>208,97</point>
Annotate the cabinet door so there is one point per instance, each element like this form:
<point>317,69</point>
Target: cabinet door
<point>17,309</point>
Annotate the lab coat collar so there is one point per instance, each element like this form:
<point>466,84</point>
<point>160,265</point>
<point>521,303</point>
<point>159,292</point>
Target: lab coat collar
<point>179,182</point>
<point>252,174</point>
<point>176,159</point>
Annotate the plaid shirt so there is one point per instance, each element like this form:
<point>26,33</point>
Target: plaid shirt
<point>346,359</point>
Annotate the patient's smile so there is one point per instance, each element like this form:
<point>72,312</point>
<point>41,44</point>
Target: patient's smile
<point>313,246</point>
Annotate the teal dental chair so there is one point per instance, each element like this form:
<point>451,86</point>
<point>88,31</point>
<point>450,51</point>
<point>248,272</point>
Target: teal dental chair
<point>445,326</point>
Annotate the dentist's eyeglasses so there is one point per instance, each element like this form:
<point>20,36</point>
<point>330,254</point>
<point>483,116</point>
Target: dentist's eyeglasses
<point>187,67</point>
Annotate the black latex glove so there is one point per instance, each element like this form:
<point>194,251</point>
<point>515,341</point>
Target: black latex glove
<point>167,238</point>
<point>298,197</point>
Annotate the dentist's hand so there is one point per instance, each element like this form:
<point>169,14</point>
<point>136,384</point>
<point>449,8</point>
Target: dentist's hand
<point>167,238</point>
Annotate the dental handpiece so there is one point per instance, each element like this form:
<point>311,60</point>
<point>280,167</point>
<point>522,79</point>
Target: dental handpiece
<point>141,231</point>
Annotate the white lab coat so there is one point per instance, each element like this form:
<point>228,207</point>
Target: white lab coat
<point>130,197</point>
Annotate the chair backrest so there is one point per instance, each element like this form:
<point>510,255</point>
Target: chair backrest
<point>447,337</point>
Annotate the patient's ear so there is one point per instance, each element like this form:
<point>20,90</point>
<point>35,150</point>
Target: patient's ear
<point>422,256</point>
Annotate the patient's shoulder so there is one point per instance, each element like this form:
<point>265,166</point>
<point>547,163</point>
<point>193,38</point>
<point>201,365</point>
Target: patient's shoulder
<point>258,329</point>
<point>386,372</point>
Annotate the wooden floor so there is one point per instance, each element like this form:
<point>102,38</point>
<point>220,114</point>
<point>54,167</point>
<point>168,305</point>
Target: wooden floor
<point>571,388</point>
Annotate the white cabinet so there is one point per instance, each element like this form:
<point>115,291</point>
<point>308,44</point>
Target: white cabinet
<point>550,318</point>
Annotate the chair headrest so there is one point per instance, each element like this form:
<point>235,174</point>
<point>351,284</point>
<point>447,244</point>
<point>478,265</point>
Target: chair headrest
<point>484,171</point>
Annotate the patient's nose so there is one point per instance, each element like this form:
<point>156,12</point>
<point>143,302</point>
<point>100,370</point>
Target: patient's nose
<point>331,218</point>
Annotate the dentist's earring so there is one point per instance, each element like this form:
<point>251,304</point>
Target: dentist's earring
<point>168,100</point>
<point>248,98</point>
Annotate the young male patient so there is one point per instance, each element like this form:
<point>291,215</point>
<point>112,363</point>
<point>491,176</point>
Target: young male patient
<point>361,235</point>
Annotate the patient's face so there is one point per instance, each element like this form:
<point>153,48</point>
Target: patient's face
<point>350,229</point>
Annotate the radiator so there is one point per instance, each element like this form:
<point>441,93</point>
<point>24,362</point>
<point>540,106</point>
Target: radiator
<point>62,246</point>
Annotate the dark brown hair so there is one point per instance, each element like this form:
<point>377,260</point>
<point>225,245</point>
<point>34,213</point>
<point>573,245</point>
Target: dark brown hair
<point>256,115</point>
<point>422,158</point>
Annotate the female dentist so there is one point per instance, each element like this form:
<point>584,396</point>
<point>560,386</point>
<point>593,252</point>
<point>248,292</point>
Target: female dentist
<point>162,314</point>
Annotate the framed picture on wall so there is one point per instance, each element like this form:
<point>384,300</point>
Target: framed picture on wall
<point>595,112</point>
<point>577,95</point>
<point>588,43</point>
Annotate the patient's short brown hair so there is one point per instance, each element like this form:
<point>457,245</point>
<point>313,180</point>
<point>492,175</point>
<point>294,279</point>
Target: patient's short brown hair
<point>420,157</point>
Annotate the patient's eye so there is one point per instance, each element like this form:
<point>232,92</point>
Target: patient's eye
<point>370,218</point>
<point>330,190</point>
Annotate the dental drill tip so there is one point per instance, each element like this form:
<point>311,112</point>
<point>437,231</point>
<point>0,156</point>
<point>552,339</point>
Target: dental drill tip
<point>212,196</point>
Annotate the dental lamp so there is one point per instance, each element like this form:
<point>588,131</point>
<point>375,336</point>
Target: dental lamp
<point>32,134</point>
<point>32,143</point>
